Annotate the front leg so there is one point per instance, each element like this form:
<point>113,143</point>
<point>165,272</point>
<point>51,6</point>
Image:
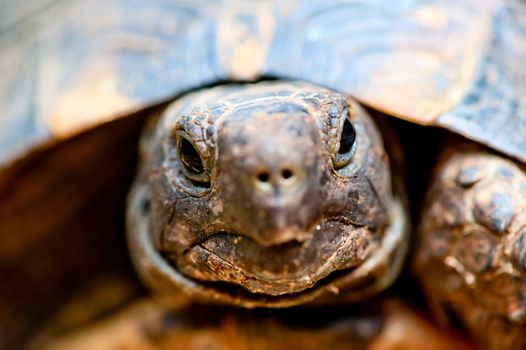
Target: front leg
<point>381,324</point>
<point>471,246</point>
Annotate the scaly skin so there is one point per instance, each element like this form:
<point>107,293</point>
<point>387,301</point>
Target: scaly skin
<point>471,250</point>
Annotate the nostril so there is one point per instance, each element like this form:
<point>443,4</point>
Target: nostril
<point>263,176</point>
<point>287,174</point>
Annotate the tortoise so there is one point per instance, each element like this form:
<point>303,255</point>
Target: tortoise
<point>269,175</point>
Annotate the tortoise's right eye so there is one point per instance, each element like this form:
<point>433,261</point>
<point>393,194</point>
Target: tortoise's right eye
<point>192,163</point>
<point>190,158</point>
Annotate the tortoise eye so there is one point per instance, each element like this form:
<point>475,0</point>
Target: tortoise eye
<point>192,163</point>
<point>190,158</point>
<point>346,148</point>
<point>348,137</point>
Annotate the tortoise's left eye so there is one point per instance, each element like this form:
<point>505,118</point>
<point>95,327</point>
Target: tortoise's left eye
<point>192,163</point>
<point>347,144</point>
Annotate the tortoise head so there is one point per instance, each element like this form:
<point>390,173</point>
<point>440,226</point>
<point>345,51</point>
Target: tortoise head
<point>269,194</point>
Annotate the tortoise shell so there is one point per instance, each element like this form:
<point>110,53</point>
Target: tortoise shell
<point>70,66</point>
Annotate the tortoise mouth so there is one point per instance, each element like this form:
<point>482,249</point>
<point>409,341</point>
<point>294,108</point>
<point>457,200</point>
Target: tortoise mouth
<point>237,261</point>
<point>330,283</point>
<point>162,272</point>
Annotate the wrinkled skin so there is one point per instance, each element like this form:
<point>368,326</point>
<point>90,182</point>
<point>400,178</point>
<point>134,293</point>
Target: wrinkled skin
<point>256,194</point>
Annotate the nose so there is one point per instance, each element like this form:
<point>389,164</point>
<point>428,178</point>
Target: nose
<point>269,173</point>
<point>278,179</point>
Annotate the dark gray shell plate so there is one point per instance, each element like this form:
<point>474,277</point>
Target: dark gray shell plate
<point>493,111</point>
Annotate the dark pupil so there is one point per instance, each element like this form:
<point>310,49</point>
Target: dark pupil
<point>348,136</point>
<point>191,158</point>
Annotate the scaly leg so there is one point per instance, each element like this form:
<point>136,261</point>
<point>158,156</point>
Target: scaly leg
<point>471,245</point>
